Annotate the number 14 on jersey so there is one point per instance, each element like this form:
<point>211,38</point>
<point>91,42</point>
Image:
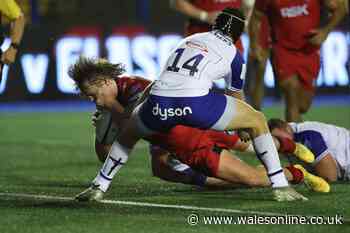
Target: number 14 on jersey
<point>184,63</point>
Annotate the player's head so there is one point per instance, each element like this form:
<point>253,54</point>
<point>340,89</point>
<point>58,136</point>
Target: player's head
<point>91,75</point>
<point>280,128</point>
<point>231,22</point>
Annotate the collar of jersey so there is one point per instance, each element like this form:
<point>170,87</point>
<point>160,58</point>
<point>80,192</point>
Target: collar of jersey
<point>222,34</point>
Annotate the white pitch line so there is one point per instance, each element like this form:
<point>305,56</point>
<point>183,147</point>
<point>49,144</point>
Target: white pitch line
<point>148,204</point>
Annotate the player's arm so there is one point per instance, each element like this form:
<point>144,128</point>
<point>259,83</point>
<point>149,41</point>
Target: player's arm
<point>337,12</point>
<point>247,8</point>
<point>188,9</point>
<point>234,75</point>
<point>11,10</point>
<point>254,28</point>
<point>145,93</point>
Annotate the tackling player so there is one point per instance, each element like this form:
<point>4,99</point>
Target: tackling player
<point>296,39</point>
<point>182,96</point>
<point>206,153</point>
<point>203,154</point>
<point>329,143</point>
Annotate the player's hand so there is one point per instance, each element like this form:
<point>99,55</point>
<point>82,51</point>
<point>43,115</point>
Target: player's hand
<point>9,56</point>
<point>243,135</point>
<point>287,194</point>
<point>318,36</point>
<point>212,17</point>
<point>96,116</point>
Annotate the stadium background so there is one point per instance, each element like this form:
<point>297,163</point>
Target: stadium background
<point>138,33</point>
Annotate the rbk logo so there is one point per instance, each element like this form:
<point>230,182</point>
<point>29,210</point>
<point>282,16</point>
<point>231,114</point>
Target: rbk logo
<point>294,11</point>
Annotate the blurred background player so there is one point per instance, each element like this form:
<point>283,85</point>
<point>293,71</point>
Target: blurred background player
<point>202,14</point>
<point>10,10</point>
<point>296,39</point>
<point>329,143</point>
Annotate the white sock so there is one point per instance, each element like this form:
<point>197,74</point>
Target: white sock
<point>267,153</point>
<point>117,157</point>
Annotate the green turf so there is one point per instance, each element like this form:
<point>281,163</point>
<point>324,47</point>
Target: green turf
<point>52,154</point>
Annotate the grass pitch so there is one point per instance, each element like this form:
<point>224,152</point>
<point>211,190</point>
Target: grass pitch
<point>52,154</point>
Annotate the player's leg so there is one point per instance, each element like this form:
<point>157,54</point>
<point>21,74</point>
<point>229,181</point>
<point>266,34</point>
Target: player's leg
<point>243,116</point>
<point>255,76</point>
<point>117,157</point>
<point>308,72</point>
<point>234,170</point>
<point>307,97</point>
<point>256,68</point>
<point>102,150</point>
<point>290,87</point>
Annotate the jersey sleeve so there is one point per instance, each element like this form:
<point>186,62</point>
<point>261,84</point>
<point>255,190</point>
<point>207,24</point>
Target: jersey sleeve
<point>10,9</point>
<point>315,142</point>
<point>234,78</point>
<point>261,5</point>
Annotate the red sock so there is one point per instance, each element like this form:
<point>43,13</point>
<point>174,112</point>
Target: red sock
<point>286,145</point>
<point>298,175</point>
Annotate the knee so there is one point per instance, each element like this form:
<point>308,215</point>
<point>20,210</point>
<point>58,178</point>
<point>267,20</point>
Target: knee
<point>259,119</point>
<point>259,125</point>
<point>290,85</point>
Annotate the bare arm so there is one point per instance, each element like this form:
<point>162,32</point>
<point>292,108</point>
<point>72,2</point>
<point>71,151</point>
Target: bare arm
<point>17,29</point>
<point>16,34</point>
<point>192,11</point>
<point>247,8</point>
<point>337,13</point>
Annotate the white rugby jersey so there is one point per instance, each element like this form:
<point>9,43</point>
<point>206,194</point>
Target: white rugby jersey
<point>196,62</point>
<point>322,139</point>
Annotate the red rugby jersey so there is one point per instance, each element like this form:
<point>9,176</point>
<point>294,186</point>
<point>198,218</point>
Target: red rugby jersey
<point>216,5</point>
<point>130,89</point>
<point>292,21</point>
